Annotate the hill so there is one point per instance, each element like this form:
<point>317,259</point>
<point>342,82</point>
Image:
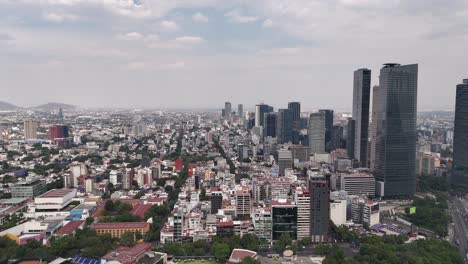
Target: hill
<point>55,106</point>
<point>4,106</point>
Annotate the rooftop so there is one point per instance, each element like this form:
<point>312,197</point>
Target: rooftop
<point>70,227</point>
<point>56,193</point>
<point>120,225</point>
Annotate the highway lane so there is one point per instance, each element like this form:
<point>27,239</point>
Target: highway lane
<point>459,214</point>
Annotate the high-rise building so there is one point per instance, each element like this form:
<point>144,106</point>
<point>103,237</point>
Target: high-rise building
<point>376,107</point>
<point>316,133</point>
<point>30,129</point>
<point>216,201</point>
<point>395,157</point>
<point>243,202</point>
<point>284,219</point>
<point>284,126</point>
<point>337,137</point>
<point>58,131</point>
<point>227,111</point>
<point>350,143</point>
<point>460,136</point>
<point>328,127</point>
<point>319,208</point>
<point>302,199</point>
<point>361,101</point>
<point>270,123</point>
<point>260,111</point>
<point>284,160</point>
<point>240,110</point>
<point>262,222</point>
<point>295,109</point>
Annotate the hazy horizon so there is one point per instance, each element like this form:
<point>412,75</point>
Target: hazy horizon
<point>200,53</point>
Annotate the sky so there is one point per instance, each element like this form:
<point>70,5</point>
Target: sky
<point>201,53</point>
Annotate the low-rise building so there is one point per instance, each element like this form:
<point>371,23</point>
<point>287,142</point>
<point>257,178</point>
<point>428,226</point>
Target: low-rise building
<point>117,229</point>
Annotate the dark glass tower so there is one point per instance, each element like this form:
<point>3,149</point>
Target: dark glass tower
<point>460,136</point>
<point>395,157</point>
<point>328,128</point>
<point>260,111</point>
<point>284,126</point>
<point>269,129</point>
<point>295,109</point>
<point>319,209</point>
<point>361,101</point>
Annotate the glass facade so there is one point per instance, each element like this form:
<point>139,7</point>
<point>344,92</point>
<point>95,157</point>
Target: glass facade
<point>395,157</point>
<point>284,126</point>
<point>460,136</point>
<point>361,101</point>
<point>284,221</point>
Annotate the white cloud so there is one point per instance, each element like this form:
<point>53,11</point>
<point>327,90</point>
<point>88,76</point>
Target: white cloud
<point>59,17</point>
<point>280,51</point>
<point>168,25</point>
<point>131,36</point>
<point>199,17</point>
<point>236,16</point>
<point>267,23</point>
<point>191,40</point>
<point>173,66</point>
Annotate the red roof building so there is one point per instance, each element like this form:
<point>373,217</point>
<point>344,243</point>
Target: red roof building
<point>140,210</point>
<point>70,228</point>
<point>128,255</point>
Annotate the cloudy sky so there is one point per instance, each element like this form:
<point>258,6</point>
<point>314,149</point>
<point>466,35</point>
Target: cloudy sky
<point>200,53</point>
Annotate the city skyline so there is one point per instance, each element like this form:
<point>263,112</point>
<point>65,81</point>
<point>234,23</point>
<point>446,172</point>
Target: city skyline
<point>139,53</point>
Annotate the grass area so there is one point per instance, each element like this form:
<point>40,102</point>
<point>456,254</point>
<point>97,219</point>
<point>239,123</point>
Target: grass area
<point>197,262</point>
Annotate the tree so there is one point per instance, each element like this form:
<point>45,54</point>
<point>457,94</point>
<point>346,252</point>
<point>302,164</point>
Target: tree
<point>127,239</point>
<point>283,243</point>
<point>89,221</point>
<point>249,260</point>
<point>221,251</point>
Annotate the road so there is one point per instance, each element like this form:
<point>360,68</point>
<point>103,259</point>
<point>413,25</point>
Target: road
<point>459,212</point>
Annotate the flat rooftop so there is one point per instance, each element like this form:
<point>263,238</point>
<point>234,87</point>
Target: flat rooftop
<point>56,193</point>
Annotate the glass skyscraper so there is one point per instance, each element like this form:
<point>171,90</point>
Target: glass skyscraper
<point>395,153</point>
<point>361,101</point>
<point>460,136</point>
<point>260,111</point>
<point>328,127</point>
<point>284,126</point>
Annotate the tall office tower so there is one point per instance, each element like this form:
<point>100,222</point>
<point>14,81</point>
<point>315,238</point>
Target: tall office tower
<point>328,127</point>
<point>270,123</point>
<point>242,152</point>
<point>460,136</point>
<point>284,126</point>
<point>319,208</point>
<point>337,137</point>
<point>395,156</point>
<point>361,100</point>
<point>60,113</point>
<point>30,129</point>
<point>260,111</point>
<point>350,143</point>
<point>227,111</point>
<point>316,133</point>
<point>240,110</point>
<point>295,109</point>
<point>302,199</point>
<point>285,160</point>
<point>375,108</point>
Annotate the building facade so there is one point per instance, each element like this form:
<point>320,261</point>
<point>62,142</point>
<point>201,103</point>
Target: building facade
<point>361,101</point>
<point>395,156</point>
<point>316,133</point>
<point>460,136</point>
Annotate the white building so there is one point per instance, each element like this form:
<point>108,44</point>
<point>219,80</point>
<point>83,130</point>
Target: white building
<point>302,199</point>
<point>55,199</point>
<point>338,212</point>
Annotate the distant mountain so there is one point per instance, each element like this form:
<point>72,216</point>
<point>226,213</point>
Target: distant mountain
<point>55,106</point>
<point>4,106</point>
